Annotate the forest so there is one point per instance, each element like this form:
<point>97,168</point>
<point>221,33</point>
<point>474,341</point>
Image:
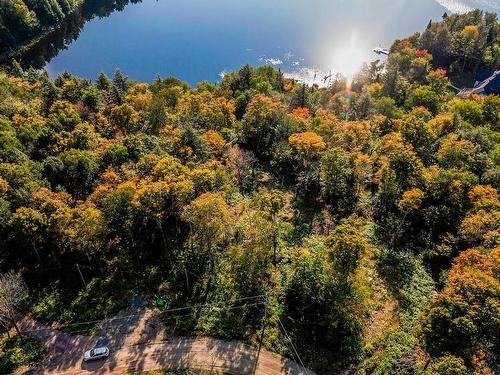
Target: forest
<point>367,213</point>
<point>22,20</point>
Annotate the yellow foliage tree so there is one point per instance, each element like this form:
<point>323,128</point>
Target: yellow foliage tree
<point>215,141</point>
<point>309,144</point>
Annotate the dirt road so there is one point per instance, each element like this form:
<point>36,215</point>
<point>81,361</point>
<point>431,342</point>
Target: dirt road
<point>138,342</point>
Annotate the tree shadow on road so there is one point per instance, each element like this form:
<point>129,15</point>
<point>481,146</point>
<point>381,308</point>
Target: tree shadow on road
<point>65,351</point>
<point>138,342</point>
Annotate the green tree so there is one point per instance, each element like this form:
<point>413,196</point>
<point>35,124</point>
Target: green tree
<point>448,365</point>
<point>424,96</point>
<point>120,220</point>
<point>80,172</point>
<point>338,180</point>
<point>120,82</point>
<point>271,203</point>
<point>103,83</point>
<point>300,97</point>
<point>64,116</point>
<point>27,227</point>
<point>49,92</point>
<point>211,219</point>
<point>492,111</point>
<point>470,111</point>
<point>323,325</point>
<point>263,125</point>
<point>415,130</point>
<point>92,98</point>
<point>461,320</point>
<point>125,118</point>
<point>347,245</point>
<point>211,222</point>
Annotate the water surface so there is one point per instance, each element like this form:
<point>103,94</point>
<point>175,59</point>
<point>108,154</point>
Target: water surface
<point>200,39</point>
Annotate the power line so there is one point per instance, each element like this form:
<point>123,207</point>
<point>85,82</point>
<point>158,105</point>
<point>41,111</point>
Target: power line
<point>163,311</point>
<point>261,340</point>
<point>290,349</point>
<point>289,352</point>
<point>210,304</point>
<point>221,309</point>
<point>287,339</point>
<point>293,346</point>
<point>105,329</point>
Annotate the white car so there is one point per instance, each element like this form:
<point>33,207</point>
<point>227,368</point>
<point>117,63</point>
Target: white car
<point>95,354</point>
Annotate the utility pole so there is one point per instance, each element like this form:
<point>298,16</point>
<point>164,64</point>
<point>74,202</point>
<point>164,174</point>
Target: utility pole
<point>261,336</point>
<point>81,275</point>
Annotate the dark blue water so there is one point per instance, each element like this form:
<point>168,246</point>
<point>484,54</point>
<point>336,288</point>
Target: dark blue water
<point>200,39</point>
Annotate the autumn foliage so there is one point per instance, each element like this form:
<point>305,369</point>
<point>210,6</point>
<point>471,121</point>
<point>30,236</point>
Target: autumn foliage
<point>368,217</point>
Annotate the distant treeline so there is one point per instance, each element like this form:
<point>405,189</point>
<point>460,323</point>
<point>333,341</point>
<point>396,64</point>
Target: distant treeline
<point>21,21</point>
<point>462,43</point>
<point>44,48</point>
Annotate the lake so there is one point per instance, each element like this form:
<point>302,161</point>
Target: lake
<point>197,40</point>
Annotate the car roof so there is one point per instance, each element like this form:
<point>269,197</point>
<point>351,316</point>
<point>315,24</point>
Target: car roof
<point>98,351</point>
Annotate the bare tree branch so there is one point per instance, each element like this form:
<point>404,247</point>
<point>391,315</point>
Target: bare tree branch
<point>12,290</point>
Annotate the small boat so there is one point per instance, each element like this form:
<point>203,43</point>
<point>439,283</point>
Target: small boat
<point>381,51</point>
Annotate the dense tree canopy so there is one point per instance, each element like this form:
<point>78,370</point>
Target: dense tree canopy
<point>372,230</point>
<point>21,20</point>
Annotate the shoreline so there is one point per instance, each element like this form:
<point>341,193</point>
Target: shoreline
<point>6,57</point>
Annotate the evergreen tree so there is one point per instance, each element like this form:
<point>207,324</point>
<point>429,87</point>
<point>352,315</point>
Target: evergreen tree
<point>49,92</point>
<point>157,115</point>
<point>16,70</point>
<point>245,78</point>
<point>281,81</point>
<point>120,82</point>
<point>7,40</point>
<point>300,97</point>
<point>103,82</point>
<point>48,12</point>
<point>65,6</point>
<point>117,95</point>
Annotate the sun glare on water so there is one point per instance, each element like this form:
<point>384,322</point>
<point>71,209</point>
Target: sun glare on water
<point>342,53</point>
<point>349,56</point>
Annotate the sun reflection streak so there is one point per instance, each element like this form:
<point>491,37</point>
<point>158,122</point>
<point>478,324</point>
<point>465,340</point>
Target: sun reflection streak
<point>349,55</point>
<point>344,53</point>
